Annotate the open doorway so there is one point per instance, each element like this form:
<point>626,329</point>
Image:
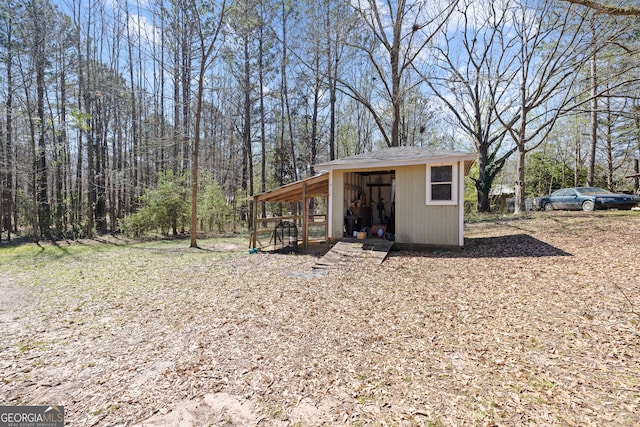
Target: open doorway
<point>370,203</point>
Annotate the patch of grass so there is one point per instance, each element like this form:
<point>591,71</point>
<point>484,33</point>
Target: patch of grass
<point>437,422</point>
<point>28,345</point>
<point>362,399</point>
<point>479,217</point>
<point>27,256</point>
<point>96,412</point>
<point>276,412</point>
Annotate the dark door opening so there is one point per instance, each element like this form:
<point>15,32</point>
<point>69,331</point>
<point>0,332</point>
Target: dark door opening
<point>370,203</point>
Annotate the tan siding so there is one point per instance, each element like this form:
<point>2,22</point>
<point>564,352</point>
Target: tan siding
<point>352,187</point>
<point>337,209</point>
<point>415,221</point>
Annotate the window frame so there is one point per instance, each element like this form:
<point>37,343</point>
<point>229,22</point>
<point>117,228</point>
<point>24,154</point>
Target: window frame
<point>454,185</point>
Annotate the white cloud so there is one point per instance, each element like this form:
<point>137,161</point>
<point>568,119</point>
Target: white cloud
<point>141,25</point>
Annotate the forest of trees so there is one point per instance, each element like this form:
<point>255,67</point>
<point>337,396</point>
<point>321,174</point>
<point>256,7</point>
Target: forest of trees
<point>117,115</point>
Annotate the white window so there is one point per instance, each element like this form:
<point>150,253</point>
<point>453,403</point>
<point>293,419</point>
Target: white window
<point>442,184</point>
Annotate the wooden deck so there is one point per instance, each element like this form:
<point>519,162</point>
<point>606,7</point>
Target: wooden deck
<point>349,249</point>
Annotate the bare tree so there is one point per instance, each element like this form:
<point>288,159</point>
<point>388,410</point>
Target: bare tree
<point>550,46</point>
<point>245,23</point>
<point>334,49</point>
<point>635,132</point>
<point>593,83</point>
<point>401,29</point>
<point>611,73</point>
<point>286,12</point>
<point>607,78</point>
<point>264,18</point>
<point>63,57</point>
<point>471,59</point>
<point>338,25</point>
<point>37,29</point>
<point>6,143</point>
<point>135,111</point>
<point>607,9</point>
<point>207,19</point>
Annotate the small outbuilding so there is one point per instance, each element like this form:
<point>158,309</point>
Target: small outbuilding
<point>411,195</point>
<point>415,195</point>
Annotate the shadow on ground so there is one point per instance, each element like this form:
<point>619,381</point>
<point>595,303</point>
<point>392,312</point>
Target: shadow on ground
<point>515,245</point>
<point>511,246</point>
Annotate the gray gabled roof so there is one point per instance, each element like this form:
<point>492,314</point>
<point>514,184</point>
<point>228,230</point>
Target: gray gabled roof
<point>397,156</point>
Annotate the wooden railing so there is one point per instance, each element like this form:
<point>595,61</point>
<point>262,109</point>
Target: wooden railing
<point>264,234</point>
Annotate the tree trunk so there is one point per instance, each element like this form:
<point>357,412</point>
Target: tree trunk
<point>578,159</point>
<point>285,94</point>
<point>100,210</point>
<point>313,140</point>
<point>246,132</point>
<point>483,183</point>
<point>177,129</point>
<point>134,116</point>
<point>593,140</point>
<point>60,160</point>
<point>609,128</point>
<point>185,77</point>
<point>263,118</point>
<point>91,173</point>
<point>194,165</point>
<point>207,52</point>
<point>396,75</point>
<point>332,68</point>
<point>42,193</point>
<point>34,169</point>
<point>195,155</point>
<point>521,143</point>
<point>636,163</point>
<point>520,207</point>
<point>332,116</point>
<point>7,162</point>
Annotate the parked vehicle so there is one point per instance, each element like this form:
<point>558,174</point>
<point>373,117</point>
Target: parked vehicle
<point>587,199</point>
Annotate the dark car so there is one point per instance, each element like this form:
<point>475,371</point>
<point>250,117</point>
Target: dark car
<point>587,199</point>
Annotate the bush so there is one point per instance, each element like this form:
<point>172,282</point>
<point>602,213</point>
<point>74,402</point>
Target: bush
<point>164,208</point>
<point>213,210</point>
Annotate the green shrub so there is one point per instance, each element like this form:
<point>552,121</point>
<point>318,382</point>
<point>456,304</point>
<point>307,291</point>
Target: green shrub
<point>164,208</point>
<point>213,210</point>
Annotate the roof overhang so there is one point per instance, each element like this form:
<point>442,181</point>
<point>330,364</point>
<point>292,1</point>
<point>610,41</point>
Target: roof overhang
<point>386,159</point>
<point>391,158</point>
<point>315,186</point>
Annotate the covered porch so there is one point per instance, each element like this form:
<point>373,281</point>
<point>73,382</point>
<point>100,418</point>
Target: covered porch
<point>298,196</point>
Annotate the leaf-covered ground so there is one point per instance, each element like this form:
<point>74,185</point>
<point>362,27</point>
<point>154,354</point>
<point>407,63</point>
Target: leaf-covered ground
<point>536,322</point>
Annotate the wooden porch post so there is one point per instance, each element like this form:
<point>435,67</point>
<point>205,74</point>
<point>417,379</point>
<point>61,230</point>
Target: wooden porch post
<point>305,217</point>
<point>326,220</point>
<point>254,232</point>
<point>294,212</point>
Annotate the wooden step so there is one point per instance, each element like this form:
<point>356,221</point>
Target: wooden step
<point>372,250</point>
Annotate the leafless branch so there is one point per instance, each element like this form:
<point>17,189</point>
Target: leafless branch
<point>607,9</point>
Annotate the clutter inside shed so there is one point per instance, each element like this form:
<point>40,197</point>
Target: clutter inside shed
<point>369,204</point>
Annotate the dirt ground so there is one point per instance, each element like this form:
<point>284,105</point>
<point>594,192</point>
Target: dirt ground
<point>535,322</point>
